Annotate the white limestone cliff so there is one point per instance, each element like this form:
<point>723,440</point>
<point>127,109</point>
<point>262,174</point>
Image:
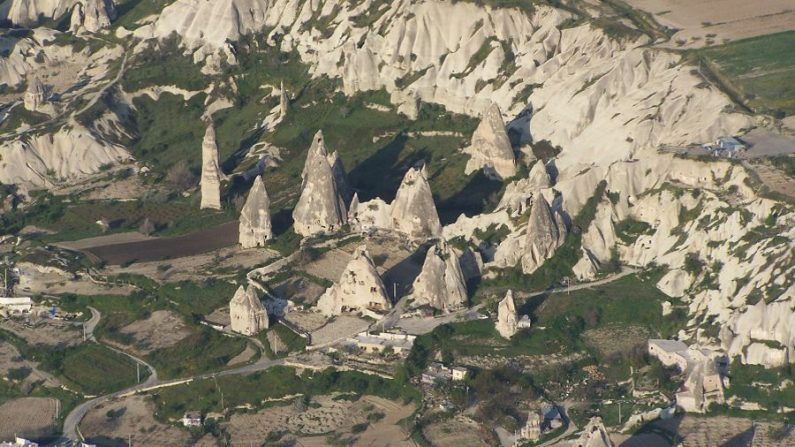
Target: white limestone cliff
<point>491,149</point>
<point>36,94</point>
<point>247,313</point>
<point>359,289</point>
<point>594,435</point>
<point>507,318</point>
<point>255,217</point>
<point>211,172</point>
<point>92,15</point>
<point>29,12</point>
<point>441,283</point>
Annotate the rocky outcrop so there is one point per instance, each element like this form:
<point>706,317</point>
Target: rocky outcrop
<point>92,15</point>
<point>519,194</point>
<point>36,94</point>
<point>360,289</point>
<point>491,149</point>
<point>594,435</point>
<point>255,217</point>
<point>762,334</point>
<point>284,100</point>
<point>441,283</point>
<point>247,313</point>
<point>507,319</point>
<point>30,12</point>
<point>321,207</point>
<point>413,211</point>
<point>545,233</point>
<point>211,172</point>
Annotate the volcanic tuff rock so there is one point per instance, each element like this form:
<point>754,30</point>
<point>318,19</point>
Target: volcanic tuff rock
<point>748,334</point>
<point>506,316</point>
<point>247,313</point>
<point>441,283</point>
<point>35,95</point>
<point>590,92</point>
<point>519,194</point>
<point>413,211</point>
<point>211,172</point>
<point>255,217</point>
<point>92,15</point>
<point>284,100</point>
<point>490,148</point>
<point>545,233</point>
<point>594,435</point>
<point>360,289</point>
<point>321,207</point>
<point>29,12</point>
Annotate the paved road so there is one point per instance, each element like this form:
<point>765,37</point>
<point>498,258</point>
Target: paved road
<point>625,271</point>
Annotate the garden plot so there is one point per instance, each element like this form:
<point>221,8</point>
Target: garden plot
<point>46,331</point>
<point>459,431</point>
<point>30,417</point>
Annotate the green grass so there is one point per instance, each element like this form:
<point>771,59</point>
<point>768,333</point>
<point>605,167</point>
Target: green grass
<point>204,351</point>
<point>746,379</point>
<point>761,68</point>
<point>132,11</point>
<point>98,370</point>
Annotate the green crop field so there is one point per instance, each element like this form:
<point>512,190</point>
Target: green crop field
<point>98,370</point>
<point>760,69</point>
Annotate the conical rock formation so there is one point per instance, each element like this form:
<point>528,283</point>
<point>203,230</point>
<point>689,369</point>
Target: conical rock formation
<point>92,15</point>
<point>441,283</point>
<point>491,148</point>
<point>255,217</point>
<point>247,313</point>
<point>413,210</point>
<point>211,172</point>
<point>594,435</point>
<point>35,95</point>
<point>284,101</point>
<point>360,289</point>
<point>545,233</point>
<point>507,319</point>
<point>321,207</point>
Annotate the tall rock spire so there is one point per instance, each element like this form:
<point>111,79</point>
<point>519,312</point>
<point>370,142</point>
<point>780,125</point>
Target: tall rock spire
<point>92,15</point>
<point>507,320</point>
<point>211,172</point>
<point>284,101</point>
<point>247,313</point>
<point>255,217</point>
<point>491,149</point>
<point>413,210</point>
<point>441,283</point>
<point>35,94</point>
<point>545,233</point>
<point>360,288</point>
<point>321,207</point>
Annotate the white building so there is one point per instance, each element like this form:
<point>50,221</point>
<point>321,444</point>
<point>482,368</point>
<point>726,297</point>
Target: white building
<point>16,306</point>
<point>375,343</point>
<point>19,442</point>
<point>192,419</point>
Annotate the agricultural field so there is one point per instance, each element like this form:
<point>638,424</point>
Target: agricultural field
<point>130,419</point>
<point>31,417</point>
<point>760,71</point>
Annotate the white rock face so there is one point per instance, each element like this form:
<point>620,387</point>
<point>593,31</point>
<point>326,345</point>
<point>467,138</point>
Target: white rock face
<point>68,154</point>
<point>773,323</point>
<point>360,289</point>
<point>507,319</point>
<point>519,194</point>
<point>491,149</point>
<point>594,435</point>
<point>29,12</point>
<point>590,93</point>
<point>211,172</point>
<point>92,15</point>
<point>247,312</point>
<point>284,101</point>
<point>321,207</point>
<point>441,283</point>
<point>255,217</point>
<point>413,211</point>
<point>36,94</point>
<point>675,283</point>
<point>545,233</point>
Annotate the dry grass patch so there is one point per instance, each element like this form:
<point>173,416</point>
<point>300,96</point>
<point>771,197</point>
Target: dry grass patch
<point>30,417</point>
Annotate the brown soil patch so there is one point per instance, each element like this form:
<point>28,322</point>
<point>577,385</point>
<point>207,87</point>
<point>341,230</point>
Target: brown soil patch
<point>244,356</point>
<point>299,290</point>
<point>133,417</point>
<point>10,358</point>
<point>219,316</point>
<point>163,329</point>
<point>29,417</point>
<point>308,321</point>
<point>721,430</point>
<point>613,340</point>
<point>718,21</point>
<point>341,327</point>
<point>46,331</point>
<point>459,431</point>
<point>775,179</point>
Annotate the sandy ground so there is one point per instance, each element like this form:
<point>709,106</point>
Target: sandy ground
<point>46,331</point>
<point>35,280</point>
<point>307,320</point>
<point>244,356</point>
<point>134,418</point>
<point>196,267</point>
<point>718,21</point>
<point>108,239</point>
<point>776,180</point>
<point>459,431</point>
<point>30,417</point>
<point>220,316</point>
<point>10,358</point>
<point>299,290</point>
<point>162,329</point>
<point>722,431</point>
<point>340,328</point>
<point>323,416</point>
<point>764,143</point>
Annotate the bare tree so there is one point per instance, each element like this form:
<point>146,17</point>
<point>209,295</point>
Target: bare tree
<point>180,176</point>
